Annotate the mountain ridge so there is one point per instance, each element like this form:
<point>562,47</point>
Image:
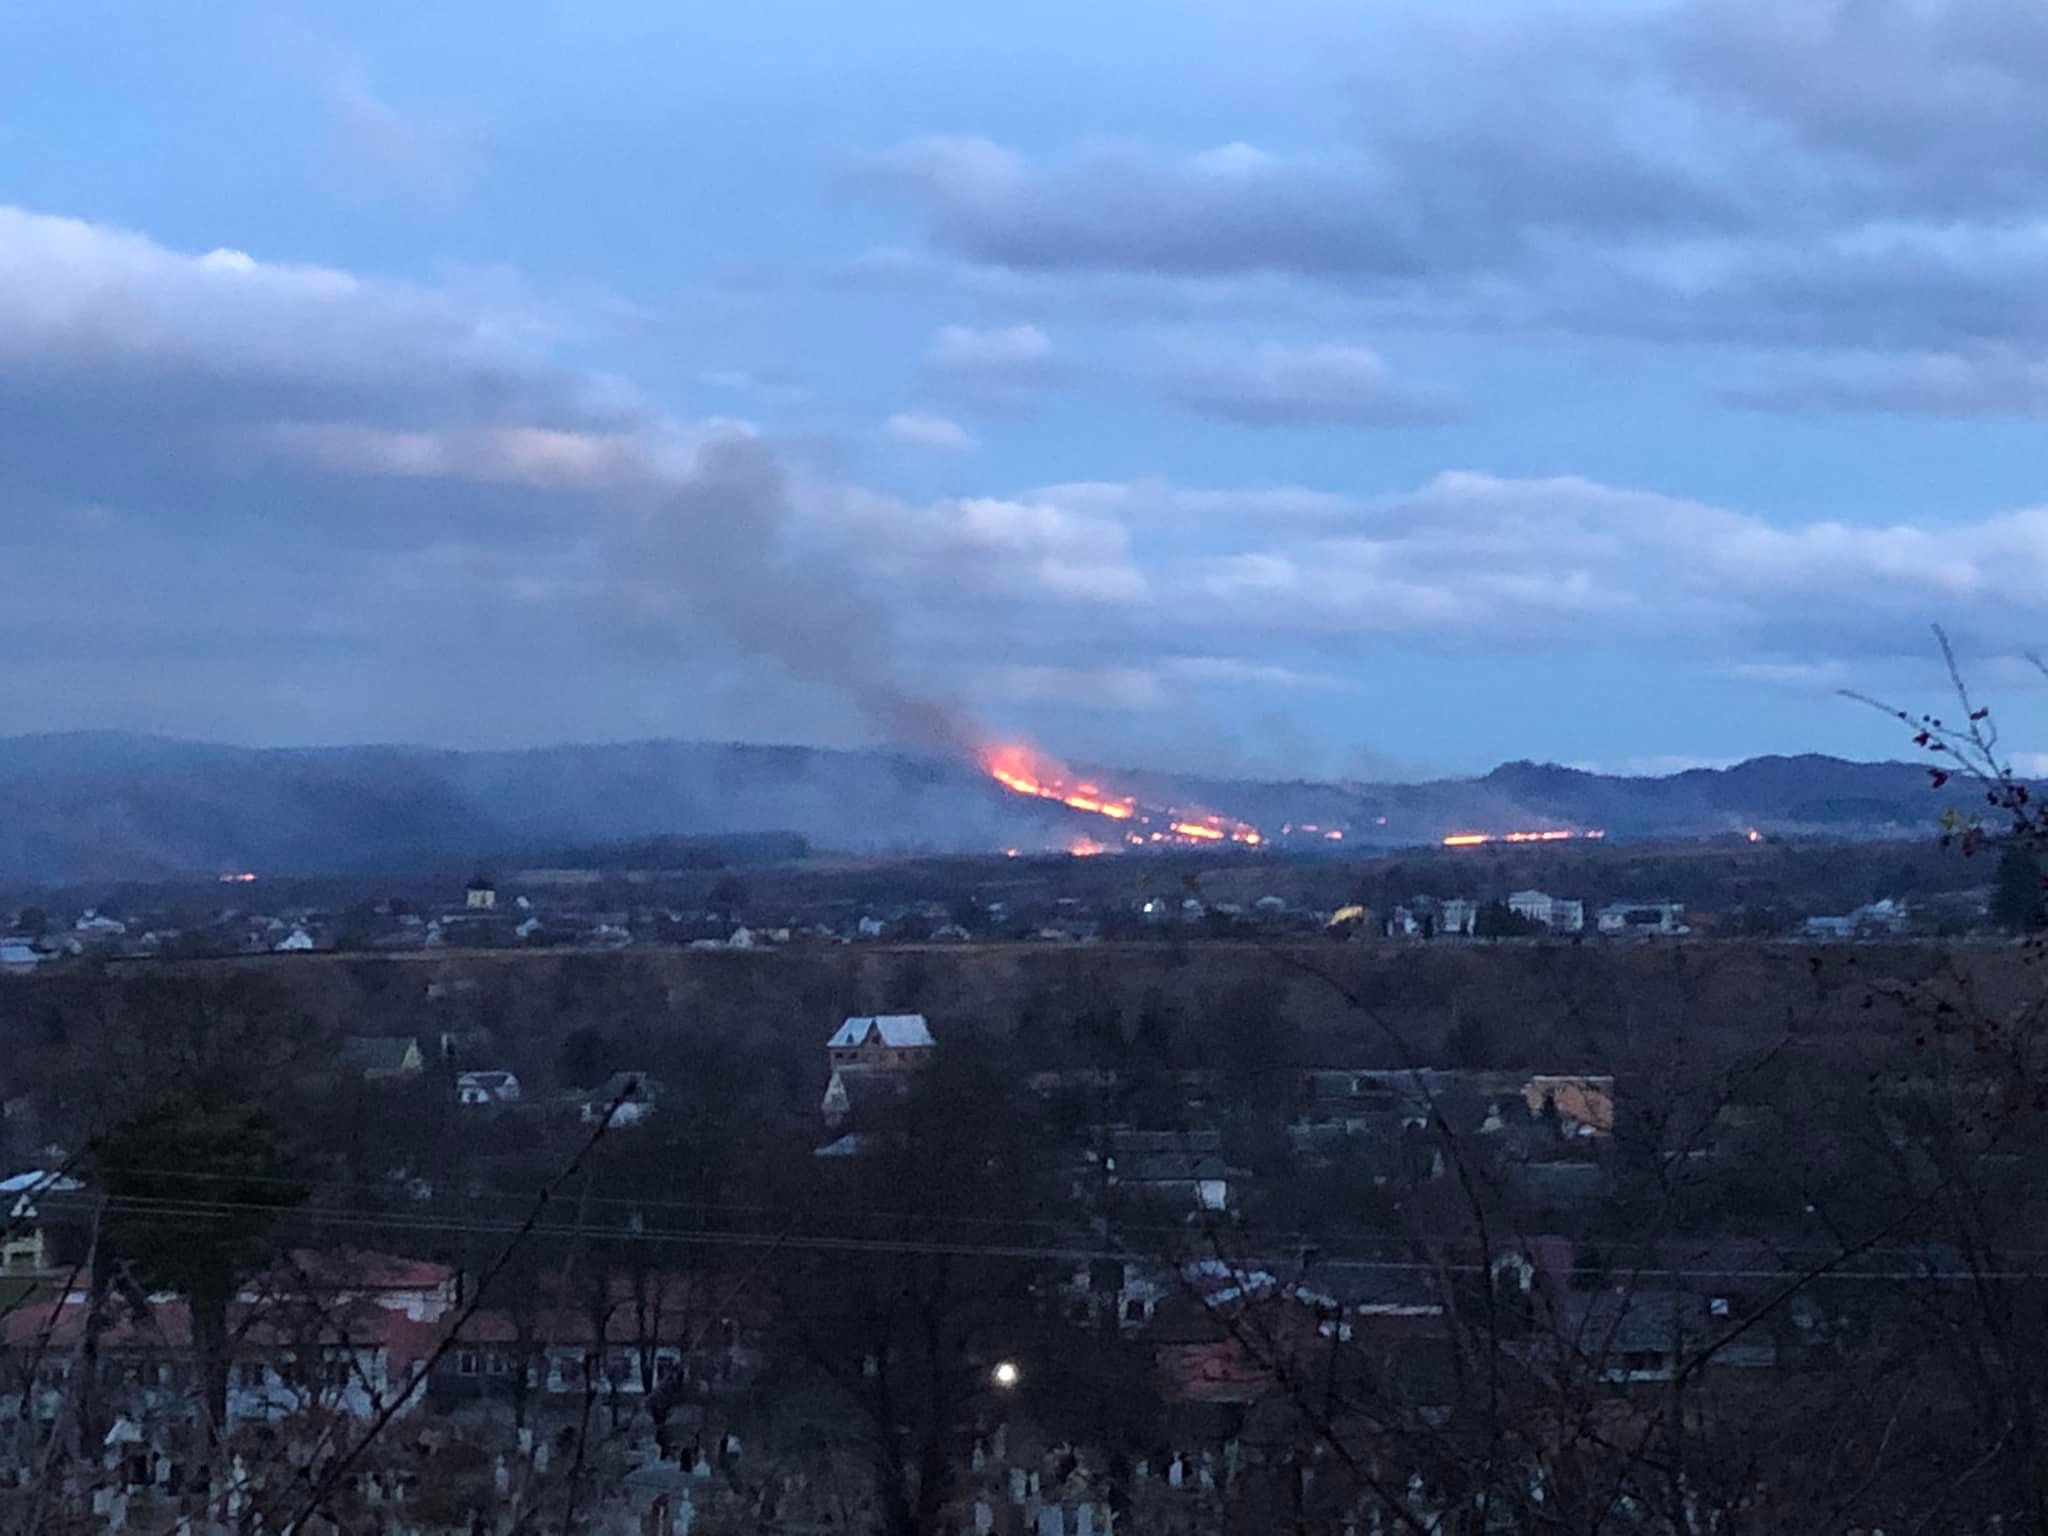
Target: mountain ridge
<point>107,805</point>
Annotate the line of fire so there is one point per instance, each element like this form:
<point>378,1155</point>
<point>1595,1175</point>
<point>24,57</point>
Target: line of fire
<point>1144,825</point>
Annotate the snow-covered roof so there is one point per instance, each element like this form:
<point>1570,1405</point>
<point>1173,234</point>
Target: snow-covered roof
<point>898,1031</point>
<point>40,1182</point>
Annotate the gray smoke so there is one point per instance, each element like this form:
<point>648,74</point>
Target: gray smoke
<point>717,549</point>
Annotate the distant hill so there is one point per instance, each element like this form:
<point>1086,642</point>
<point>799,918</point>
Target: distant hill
<point>108,806</point>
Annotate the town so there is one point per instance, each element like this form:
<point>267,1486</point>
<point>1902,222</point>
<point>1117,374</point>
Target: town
<point>775,894</point>
<point>1108,1238</point>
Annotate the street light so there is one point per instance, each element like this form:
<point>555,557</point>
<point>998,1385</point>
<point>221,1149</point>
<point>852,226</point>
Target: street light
<point>1006,1374</point>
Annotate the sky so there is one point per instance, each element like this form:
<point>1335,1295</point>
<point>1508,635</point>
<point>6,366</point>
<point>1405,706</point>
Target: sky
<point>1293,388</point>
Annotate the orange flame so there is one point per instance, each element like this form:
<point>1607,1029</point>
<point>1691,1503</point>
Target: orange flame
<point>1553,835</point>
<point>1023,772</point>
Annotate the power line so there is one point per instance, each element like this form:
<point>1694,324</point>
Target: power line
<point>1316,1241</point>
<point>791,1240</point>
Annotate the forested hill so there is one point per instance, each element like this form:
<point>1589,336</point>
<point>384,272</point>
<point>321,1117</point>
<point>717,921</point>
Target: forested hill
<point>95,806</point>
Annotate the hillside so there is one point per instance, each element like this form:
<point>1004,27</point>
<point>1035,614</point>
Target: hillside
<point>102,806</point>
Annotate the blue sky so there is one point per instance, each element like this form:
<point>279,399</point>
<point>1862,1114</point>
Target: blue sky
<point>1291,388</point>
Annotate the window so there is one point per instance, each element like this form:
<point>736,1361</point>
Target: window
<point>467,1362</point>
<point>250,1373</point>
<point>1134,1310</point>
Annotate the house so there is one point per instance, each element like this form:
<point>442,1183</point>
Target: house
<point>1552,912</point>
<point>92,925</point>
<point>1184,1168</point>
<point>1584,1105</point>
<point>1426,917</point>
<point>881,1042</point>
<point>25,1246</point>
<point>381,1057</point>
<point>1643,917</point>
<point>1650,1335</point>
<point>298,941</point>
<point>481,895</point>
<point>18,955</point>
<point>344,1334</point>
<point>849,1089</point>
<point>628,1097</point>
<point>486,1088</point>
<point>1887,917</point>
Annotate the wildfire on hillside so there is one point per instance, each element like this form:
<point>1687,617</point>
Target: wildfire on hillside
<point>1024,772</point>
<point>1553,835</point>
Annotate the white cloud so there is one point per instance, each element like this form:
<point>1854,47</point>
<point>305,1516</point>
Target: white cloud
<point>1821,177</point>
<point>921,429</point>
<point>353,451</point>
<point>1329,384</point>
<point>1008,351</point>
<point>78,296</point>
<point>1984,382</point>
<point>1561,563</point>
<point>537,456</point>
<point>771,387</point>
<point>378,150</point>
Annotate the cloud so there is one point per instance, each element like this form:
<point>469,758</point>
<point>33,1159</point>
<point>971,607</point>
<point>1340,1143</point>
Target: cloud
<point>921,429</point>
<point>447,483</point>
<point>1476,564</point>
<point>1990,382</point>
<point>379,151</point>
<point>1831,176</point>
<point>1312,386</point>
<point>770,386</point>
<point>1030,548</point>
<point>1011,353</point>
<point>300,480</point>
<point>1828,676</point>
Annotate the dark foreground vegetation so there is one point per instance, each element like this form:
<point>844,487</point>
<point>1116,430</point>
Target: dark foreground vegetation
<point>1172,1237</point>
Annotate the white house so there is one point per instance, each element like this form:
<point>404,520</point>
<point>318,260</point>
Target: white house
<point>18,955</point>
<point>481,895</point>
<point>881,1040</point>
<point>628,1097</point>
<point>1553,912</point>
<point>1667,917</point>
<point>296,942</point>
<point>486,1088</point>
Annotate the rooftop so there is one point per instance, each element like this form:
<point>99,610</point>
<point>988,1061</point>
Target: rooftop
<point>898,1031</point>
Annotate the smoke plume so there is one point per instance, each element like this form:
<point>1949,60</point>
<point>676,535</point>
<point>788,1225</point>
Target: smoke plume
<point>717,548</point>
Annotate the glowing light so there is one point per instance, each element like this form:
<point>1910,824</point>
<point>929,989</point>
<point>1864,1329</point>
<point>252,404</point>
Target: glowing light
<point>1552,835</point>
<point>1086,847</point>
<point>240,877</point>
<point>1006,1374</point>
<point>1755,836</point>
<point>1022,772</point>
<point>1334,836</point>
